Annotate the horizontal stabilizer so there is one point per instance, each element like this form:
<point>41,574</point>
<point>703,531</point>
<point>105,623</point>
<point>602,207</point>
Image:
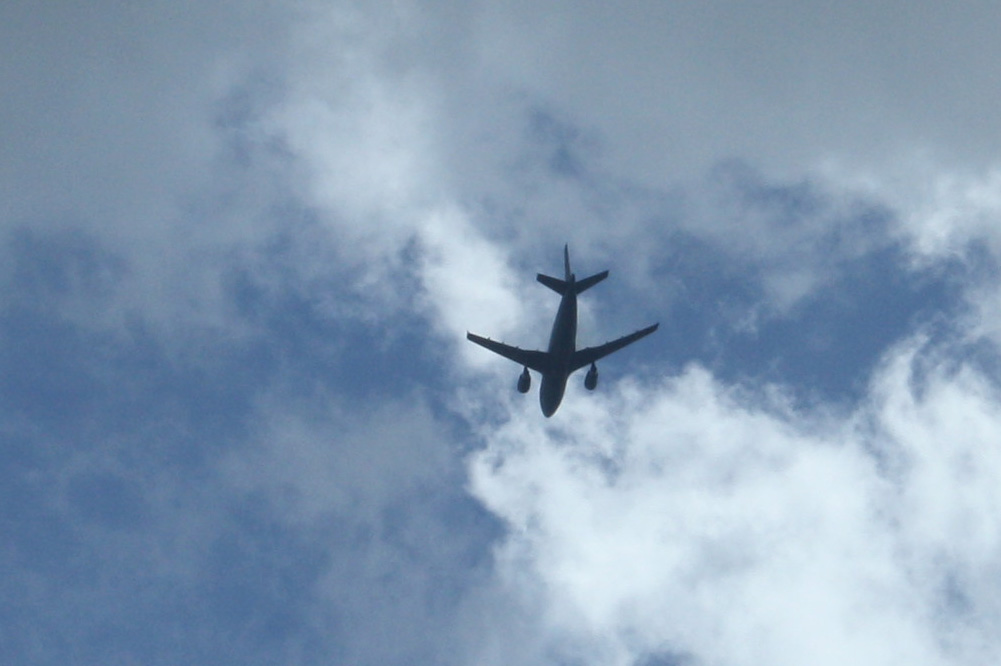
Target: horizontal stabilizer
<point>588,282</point>
<point>560,286</point>
<point>556,284</point>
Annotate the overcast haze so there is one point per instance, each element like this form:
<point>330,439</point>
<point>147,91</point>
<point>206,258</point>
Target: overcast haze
<point>241,244</point>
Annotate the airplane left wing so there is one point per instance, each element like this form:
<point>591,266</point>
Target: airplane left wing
<point>587,356</point>
<point>536,360</point>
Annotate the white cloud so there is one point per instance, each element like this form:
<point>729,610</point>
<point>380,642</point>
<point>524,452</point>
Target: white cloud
<point>947,219</point>
<point>689,518</point>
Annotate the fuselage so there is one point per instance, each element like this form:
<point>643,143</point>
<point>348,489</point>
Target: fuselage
<point>562,344</point>
<point>562,358</point>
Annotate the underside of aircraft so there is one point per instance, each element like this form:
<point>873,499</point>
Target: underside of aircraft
<point>562,358</point>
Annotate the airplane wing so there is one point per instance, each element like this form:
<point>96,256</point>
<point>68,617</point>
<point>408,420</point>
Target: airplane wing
<point>588,356</point>
<point>536,360</point>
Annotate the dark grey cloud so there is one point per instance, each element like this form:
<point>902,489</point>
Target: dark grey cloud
<point>678,86</point>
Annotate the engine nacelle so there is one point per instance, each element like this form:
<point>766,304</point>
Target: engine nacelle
<point>591,378</point>
<point>524,381</point>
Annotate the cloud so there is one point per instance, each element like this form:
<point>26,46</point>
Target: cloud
<point>241,244</point>
<point>101,110</point>
<point>689,517</point>
<point>790,84</point>
<point>222,504</point>
<point>377,488</point>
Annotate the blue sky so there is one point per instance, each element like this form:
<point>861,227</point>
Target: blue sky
<point>241,244</point>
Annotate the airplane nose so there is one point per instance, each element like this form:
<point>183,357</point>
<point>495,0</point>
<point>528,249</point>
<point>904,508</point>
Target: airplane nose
<point>549,406</point>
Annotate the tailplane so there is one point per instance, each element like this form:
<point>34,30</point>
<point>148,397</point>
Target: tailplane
<point>560,286</point>
<point>589,282</point>
<point>556,284</point>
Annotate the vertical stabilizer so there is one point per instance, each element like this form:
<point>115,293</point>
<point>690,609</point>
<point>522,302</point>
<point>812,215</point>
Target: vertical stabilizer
<point>561,286</point>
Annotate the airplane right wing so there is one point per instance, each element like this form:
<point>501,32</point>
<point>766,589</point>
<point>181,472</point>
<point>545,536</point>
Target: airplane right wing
<point>536,360</point>
<point>583,357</point>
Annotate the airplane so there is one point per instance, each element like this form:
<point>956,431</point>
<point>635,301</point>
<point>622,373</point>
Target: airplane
<point>562,358</point>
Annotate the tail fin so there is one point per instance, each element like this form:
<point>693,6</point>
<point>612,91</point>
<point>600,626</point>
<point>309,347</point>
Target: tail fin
<point>560,286</point>
<point>556,284</point>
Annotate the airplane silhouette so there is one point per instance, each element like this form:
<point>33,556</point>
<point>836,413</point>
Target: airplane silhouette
<point>562,358</point>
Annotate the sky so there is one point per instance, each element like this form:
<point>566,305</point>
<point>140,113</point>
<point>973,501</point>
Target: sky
<point>241,242</point>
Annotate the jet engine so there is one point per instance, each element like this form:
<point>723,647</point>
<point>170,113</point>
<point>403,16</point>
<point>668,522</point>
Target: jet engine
<point>524,381</point>
<point>591,378</point>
